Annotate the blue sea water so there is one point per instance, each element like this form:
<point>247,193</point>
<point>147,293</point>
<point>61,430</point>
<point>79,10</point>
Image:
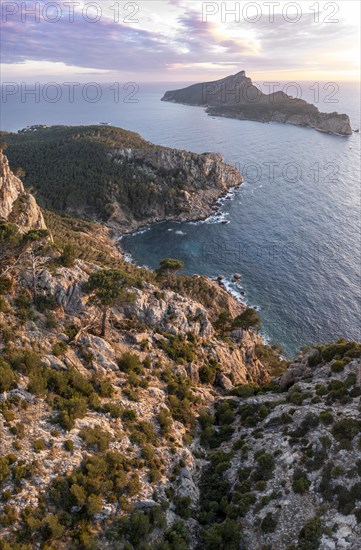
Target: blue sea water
<point>293,227</point>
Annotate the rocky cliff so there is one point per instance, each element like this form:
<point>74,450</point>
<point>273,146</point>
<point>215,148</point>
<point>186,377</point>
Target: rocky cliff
<point>236,97</point>
<point>17,206</point>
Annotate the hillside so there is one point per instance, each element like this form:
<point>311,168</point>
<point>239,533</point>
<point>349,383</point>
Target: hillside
<point>236,97</point>
<point>141,410</point>
<point>115,176</point>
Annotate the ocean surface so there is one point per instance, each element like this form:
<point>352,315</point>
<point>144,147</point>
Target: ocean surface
<point>292,229</point>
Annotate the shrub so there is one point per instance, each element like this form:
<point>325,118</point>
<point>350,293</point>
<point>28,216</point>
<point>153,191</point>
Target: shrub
<point>129,362</point>
<point>326,417</point>
<point>182,505</point>
<point>4,468</point>
<point>346,429</point>
<point>310,535</point>
<point>165,421</point>
<point>346,500</point>
<point>59,349</point>
<point>222,536</point>
<point>300,483</point>
<point>315,359</point>
<point>69,255</point>
<point>177,348</point>
<point>8,378</point>
<point>243,390</point>
<point>113,409</point>
<point>265,467</point>
<point>69,445</point>
<point>39,445</point>
<point>207,374</point>
<point>338,366</point>
<point>129,415</point>
<point>95,438</point>
<point>269,523</point>
<point>5,285</point>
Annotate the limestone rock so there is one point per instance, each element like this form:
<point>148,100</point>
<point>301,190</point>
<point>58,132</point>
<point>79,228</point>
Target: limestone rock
<point>17,206</point>
<point>169,312</point>
<point>65,286</point>
<point>102,352</point>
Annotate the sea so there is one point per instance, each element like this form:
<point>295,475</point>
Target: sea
<point>291,230</point>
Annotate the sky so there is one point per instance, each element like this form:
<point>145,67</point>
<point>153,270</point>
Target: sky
<point>179,40</point>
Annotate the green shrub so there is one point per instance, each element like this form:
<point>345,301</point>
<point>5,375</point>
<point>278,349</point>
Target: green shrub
<point>129,415</point>
<point>265,467</point>
<point>165,421</point>
<point>130,363</point>
<point>59,349</point>
<point>315,359</point>
<point>207,374</point>
<point>346,500</point>
<point>177,348</point>
<point>182,505</point>
<point>96,438</point>
<point>310,535</point>
<point>69,255</point>
<point>69,445</point>
<point>300,483</point>
<point>5,284</point>
<point>39,445</point>
<point>113,409</point>
<point>222,536</point>
<point>269,523</point>
<point>4,468</point>
<point>346,429</point>
<point>326,417</point>
<point>8,378</point>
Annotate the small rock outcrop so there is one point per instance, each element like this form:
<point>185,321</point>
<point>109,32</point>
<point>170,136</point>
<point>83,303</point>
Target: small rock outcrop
<point>16,205</point>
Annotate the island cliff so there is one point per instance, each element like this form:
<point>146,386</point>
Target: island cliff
<point>236,97</point>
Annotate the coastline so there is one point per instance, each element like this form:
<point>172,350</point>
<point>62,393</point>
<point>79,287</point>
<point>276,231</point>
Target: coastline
<point>225,283</point>
<point>210,209</point>
<point>213,112</point>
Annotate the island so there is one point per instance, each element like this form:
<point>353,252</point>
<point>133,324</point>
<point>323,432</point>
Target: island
<point>235,96</point>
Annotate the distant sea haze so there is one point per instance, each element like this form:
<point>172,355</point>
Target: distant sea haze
<point>293,227</point>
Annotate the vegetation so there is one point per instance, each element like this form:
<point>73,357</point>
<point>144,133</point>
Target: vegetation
<point>109,288</point>
<point>90,181</point>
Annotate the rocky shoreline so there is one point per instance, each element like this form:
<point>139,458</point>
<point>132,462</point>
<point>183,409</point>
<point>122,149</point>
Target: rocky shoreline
<point>207,212</point>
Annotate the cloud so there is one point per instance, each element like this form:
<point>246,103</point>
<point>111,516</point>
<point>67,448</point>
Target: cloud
<point>183,41</point>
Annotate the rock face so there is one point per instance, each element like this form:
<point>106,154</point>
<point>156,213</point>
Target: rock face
<point>169,311</point>
<point>236,97</point>
<point>17,206</point>
<point>65,286</point>
<point>192,182</point>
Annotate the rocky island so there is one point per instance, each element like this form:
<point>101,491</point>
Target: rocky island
<point>236,97</point>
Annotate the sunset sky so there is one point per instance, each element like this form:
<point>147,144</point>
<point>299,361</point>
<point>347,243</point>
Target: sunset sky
<point>174,40</point>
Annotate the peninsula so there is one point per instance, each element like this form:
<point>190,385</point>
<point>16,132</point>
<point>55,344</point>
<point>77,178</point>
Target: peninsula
<point>116,177</point>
